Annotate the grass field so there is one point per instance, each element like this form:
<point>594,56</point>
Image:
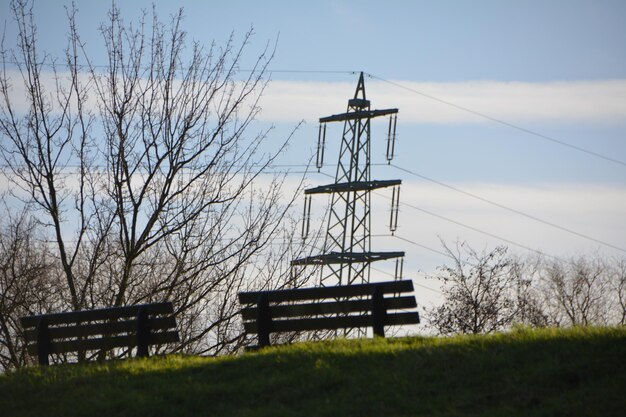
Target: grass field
<point>548,372</point>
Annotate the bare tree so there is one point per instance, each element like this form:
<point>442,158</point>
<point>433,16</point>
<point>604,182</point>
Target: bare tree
<point>478,292</point>
<point>618,285</point>
<point>145,174</point>
<point>39,143</point>
<point>485,292</point>
<point>526,279</point>
<point>577,292</point>
<point>28,281</point>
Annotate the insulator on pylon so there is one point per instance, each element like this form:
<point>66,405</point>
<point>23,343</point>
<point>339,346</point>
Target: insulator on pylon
<point>395,206</point>
<point>391,137</point>
<point>306,217</point>
<point>321,144</point>
<point>399,268</point>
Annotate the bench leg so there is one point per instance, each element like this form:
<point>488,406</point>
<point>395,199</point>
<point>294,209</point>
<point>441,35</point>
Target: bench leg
<point>263,320</point>
<point>43,342</point>
<point>143,334</point>
<point>378,311</point>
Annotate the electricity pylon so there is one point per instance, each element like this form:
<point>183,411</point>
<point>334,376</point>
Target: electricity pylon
<point>347,254</point>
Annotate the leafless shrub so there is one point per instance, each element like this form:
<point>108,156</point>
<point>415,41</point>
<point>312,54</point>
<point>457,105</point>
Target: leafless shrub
<point>29,283</point>
<point>478,292</point>
<point>491,291</point>
<point>576,293</point>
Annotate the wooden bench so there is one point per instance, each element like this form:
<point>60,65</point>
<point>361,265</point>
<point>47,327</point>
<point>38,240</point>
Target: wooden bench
<point>328,308</point>
<point>99,330</point>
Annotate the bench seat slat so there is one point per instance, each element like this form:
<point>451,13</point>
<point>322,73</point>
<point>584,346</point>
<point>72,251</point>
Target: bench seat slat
<point>336,307</point>
<point>326,292</point>
<point>110,328</point>
<point>98,314</point>
<point>106,343</point>
<point>329,323</point>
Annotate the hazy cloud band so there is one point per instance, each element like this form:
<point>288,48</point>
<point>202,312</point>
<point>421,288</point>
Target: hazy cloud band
<point>596,101</point>
<point>602,101</point>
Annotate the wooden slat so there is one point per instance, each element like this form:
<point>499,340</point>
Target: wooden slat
<point>336,307</point>
<point>98,314</point>
<point>326,292</point>
<point>106,343</point>
<point>109,328</point>
<point>330,323</point>
<point>400,319</point>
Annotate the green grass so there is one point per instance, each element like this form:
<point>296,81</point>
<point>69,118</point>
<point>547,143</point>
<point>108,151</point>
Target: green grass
<point>549,372</point>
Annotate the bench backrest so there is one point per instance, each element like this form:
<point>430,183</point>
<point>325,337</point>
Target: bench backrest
<point>100,329</point>
<point>349,306</point>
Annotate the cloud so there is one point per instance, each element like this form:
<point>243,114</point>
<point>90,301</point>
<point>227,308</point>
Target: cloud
<point>591,209</point>
<point>599,101</point>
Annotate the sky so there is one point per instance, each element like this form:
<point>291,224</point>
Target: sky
<point>512,114</point>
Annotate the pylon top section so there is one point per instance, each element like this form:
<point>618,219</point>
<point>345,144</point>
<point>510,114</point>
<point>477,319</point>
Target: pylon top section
<point>359,102</point>
<point>358,107</point>
<point>360,87</point>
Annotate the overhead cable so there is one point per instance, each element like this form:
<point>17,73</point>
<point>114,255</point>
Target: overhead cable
<point>512,210</point>
<point>502,122</point>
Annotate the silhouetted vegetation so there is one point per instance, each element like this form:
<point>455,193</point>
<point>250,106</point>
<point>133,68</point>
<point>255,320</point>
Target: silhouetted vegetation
<point>490,291</point>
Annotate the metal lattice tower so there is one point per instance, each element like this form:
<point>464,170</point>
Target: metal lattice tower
<point>347,254</point>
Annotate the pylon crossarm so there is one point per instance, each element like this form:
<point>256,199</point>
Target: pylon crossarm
<point>346,258</point>
<point>352,186</point>
<point>359,114</point>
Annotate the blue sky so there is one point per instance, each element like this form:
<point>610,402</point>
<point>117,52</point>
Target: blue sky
<point>409,40</point>
<point>557,68</point>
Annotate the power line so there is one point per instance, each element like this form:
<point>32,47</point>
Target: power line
<point>447,255</point>
<point>512,210</point>
<point>352,72</point>
<point>428,248</point>
<point>52,63</point>
<point>294,71</point>
<point>270,169</point>
<point>429,96</point>
<point>502,122</point>
<point>482,231</point>
<point>462,260</point>
<point>415,283</point>
<point>475,196</point>
<point>509,241</point>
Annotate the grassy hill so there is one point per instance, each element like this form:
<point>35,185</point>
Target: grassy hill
<point>549,372</point>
